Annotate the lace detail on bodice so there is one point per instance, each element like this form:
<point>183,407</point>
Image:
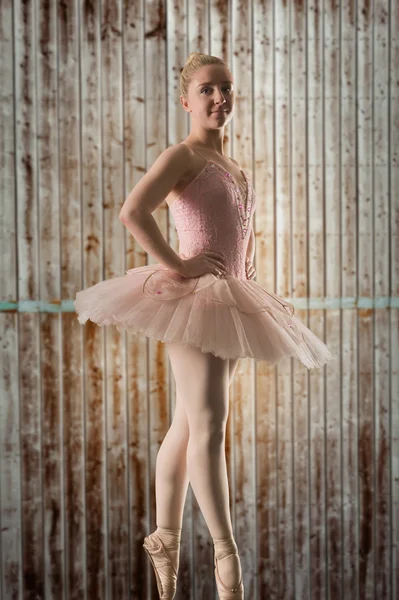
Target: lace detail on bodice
<point>212,214</point>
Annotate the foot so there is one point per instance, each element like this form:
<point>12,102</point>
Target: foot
<point>228,569</point>
<point>165,563</point>
<point>232,591</point>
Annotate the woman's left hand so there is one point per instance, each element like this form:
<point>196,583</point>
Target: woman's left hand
<point>249,269</point>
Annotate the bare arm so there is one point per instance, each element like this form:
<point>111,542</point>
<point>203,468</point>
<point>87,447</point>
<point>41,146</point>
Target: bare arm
<point>149,193</point>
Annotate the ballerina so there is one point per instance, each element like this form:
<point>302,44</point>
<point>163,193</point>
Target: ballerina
<point>206,307</point>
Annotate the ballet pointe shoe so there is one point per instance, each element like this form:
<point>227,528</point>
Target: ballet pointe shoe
<point>225,548</point>
<point>224,592</point>
<point>165,572</point>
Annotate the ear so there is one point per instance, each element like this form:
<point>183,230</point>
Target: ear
<point>184,103</point>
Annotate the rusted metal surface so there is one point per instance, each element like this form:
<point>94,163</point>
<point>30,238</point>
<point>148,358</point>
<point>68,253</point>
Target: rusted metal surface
<point>90,98</point>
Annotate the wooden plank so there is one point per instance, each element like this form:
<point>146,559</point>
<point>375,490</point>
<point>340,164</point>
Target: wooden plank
<point>349,382</point>
<point>394,442</point>
<point>137,365</point>
<point>285,555</point>
<point>28,289</point>
<point>393,116</point>
<point>73,398</point>
<point>264,218</point>
<point>10,453</point>
<point>300,407</point>
<point>50,291</point>
<point>10,463</point>
<point>382,580</point>
<point>331,272</point>
<point>366,445</point>
<point>315,289</point>
<point>92,263</point>
<point>242,392</point>
<point>114,265</point>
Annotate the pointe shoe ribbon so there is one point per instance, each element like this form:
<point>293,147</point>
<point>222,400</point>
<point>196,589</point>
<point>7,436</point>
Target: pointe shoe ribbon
<point>224,592</point>
<point>164,569</point>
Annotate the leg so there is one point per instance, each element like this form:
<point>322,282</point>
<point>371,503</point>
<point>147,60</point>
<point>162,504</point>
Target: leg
<point>206,405</point>
<point>171,477</point>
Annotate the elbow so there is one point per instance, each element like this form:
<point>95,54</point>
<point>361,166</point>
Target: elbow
<point>125,217</point>
<point>133,215</point>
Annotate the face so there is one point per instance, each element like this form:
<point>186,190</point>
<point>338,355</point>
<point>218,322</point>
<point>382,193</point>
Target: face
<point>210,96</point>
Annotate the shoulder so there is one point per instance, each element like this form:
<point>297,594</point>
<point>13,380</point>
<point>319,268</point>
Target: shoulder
<point>171,161</point>
<point>234,161</point>
<point>177,152</point>
<point>176,158</point>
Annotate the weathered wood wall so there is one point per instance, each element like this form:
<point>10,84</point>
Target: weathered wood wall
<point>89,99</point>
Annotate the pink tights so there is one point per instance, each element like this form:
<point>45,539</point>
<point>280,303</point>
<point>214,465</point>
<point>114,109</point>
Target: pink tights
<point>193,449</point>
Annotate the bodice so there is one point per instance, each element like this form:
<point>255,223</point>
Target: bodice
<point>214,214</point>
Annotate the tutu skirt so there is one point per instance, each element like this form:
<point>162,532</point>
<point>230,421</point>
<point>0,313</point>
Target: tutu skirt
<point>227,316</point>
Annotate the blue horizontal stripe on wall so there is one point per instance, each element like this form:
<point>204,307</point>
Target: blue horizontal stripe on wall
<point>66,306</point>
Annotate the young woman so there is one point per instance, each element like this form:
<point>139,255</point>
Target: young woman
<point>204,305</point>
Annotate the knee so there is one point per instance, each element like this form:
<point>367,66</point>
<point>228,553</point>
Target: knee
<point>208,432</point>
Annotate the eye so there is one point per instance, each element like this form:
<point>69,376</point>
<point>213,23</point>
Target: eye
<point>228,88</point>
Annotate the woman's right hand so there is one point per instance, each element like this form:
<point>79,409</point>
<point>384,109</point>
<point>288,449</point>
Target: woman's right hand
<point>205,262</point>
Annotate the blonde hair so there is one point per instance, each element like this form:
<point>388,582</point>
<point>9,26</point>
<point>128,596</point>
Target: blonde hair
<point>195,61</point>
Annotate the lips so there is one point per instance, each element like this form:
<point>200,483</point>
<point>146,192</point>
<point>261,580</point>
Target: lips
<point>219,112</point>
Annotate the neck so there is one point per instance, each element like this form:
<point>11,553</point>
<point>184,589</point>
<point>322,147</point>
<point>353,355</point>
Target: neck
<point>209,140</point>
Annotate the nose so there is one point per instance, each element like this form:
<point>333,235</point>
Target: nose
<point>220,96</point>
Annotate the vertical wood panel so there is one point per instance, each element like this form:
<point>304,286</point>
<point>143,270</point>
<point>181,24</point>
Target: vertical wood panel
<point>116,504</point>
<point>93,271</point>
<point>25,35</point>
<point>283,241</point>
<point>50,292</point>
<point>300,391</point>
<point>366,446</point>
<point>331,230</point>
<point>242,400</point>
<point>349,386</point>
<point>89,101</point>
<point>135,163</point>
<point>393,116</point>
<point>71,280</point>
<point>381,288</point>
<point>299,256</point>
<point>11,573</point>
<point>265,75</point>
<point>315,289</point>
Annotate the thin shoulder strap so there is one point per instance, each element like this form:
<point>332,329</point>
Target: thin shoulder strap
<point>192,148</point>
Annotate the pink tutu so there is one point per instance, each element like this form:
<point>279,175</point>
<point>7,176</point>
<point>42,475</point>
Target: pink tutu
<point>227,316</point>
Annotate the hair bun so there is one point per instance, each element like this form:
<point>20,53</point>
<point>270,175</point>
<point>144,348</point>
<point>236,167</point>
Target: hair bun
<point>193,55</point>
<point>195,61</point>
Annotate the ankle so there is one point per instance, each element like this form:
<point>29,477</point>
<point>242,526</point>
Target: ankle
<point>227,562</point>
<point>225,546</point>
<point>170,537</point>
